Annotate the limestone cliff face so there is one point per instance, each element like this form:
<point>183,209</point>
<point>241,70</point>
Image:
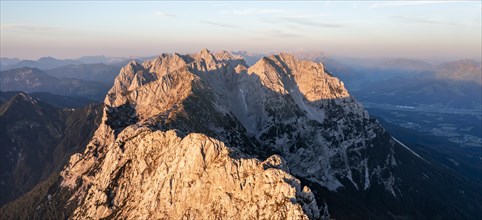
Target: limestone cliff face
<point>307,115</point>
<point>152,174</point>
<point>284,72</point>
<point>204,136</point>
<point>148,159</point>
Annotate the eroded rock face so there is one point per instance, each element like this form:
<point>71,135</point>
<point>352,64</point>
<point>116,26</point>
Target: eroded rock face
<point>153,174</point>
<point>204,136</point>
<point>148,158</point>
<point>260,125</point>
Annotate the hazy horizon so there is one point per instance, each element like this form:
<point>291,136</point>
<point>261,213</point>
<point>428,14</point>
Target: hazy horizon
<point>372,29</point>
<point>431,60</point>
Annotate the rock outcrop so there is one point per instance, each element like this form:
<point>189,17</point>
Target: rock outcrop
<point>204,136</point>
<point>153,174</point>
<point>149,155</point>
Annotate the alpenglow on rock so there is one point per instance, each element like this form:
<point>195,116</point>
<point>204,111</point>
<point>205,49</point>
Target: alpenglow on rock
<point>204,136</point>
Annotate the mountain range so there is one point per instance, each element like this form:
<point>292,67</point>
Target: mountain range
<point>90,72</point>
<point>58,101</point>
<point>42,63</point>
<point>206,136</point>
<point>37,139</point>
<point>35,80</point>
<point>46,63</point>
<point>449,85</point>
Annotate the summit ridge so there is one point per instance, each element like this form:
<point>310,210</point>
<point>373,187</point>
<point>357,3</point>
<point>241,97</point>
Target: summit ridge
<point>204,135</point>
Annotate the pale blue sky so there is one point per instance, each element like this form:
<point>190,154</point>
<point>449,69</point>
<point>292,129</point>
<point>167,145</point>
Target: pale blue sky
<point>32,29</point>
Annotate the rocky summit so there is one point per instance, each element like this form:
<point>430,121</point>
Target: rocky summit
<point>205,136</point>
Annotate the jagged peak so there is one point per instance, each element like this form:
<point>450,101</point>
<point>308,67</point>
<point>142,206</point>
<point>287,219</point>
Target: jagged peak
<point>133,63</point>
<point>176,55</point>
<point>207,55</point>
<point>273,62</point>
<point>261,63</point>
<point>174,59</point>
<point>130,67</point>
<point>240,68</point>
<point>268,65</point>
<point>281,73</point>
<point>205,51</point>
<point>223,55</point>
<point>287,56</point>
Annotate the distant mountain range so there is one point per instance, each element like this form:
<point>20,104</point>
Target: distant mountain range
<point>5,61</point>
<point>462,70</point>
<point>403,81</point>
<point>102,59</point>
<point>37,138</point>
<point>35,80</point>
<point>465,69</point>
<point>91,72</point>
<point>55,100</point>
<point>451,85</point>
<point>435,107</point>
<point>428,92</point>
<point>42,63</point>
<point>411,81</point>
<point>206,136</point>
<point>45,63</point>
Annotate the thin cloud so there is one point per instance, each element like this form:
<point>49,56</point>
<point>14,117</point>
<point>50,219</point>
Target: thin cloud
<point>274,34</point>
<point>224,25</point>
<point>281,34</point>
<point>298,20</point>
<point>252,11</point>
<point>39,29</point>
<point>273,13</point>
<point>303,15</point>
<point>306,22</point>
<point>28,28</point>
<point>426,21</point>
<point>164,14</point>
<point>406,3</point>
<point>219,4</point>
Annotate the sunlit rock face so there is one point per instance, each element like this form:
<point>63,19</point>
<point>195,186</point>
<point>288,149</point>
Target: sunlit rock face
<point>196,135</point>
<point>170,147</point>
<point>204,136</point>
<point>160,175</point>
